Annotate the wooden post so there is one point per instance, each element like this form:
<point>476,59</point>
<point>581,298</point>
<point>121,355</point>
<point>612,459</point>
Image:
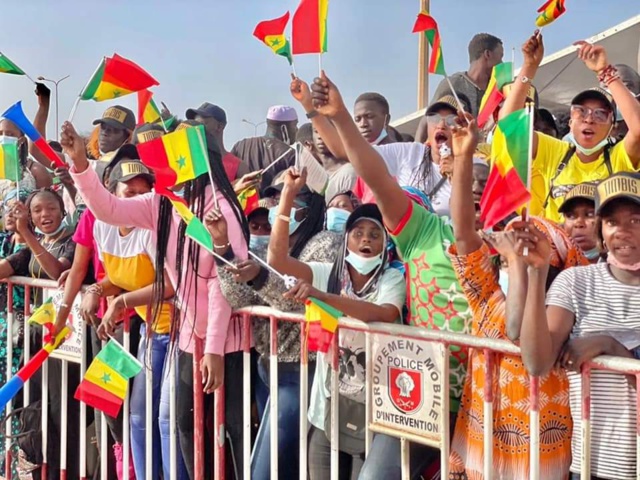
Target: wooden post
<point>423,56</point>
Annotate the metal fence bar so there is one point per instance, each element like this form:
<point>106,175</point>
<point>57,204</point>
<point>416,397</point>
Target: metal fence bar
<point>83,410</point>
<point>246,397</point>
<point>9,373</point>
<point>488,413</point>
<point>444,420</point>
<point>64,419</point>
<point>304,398</point>
<point>198,412</point>
<point>27,337</point>
<point>534,428</point>
<point>45,417</point>
<point>126,419</point>
<point>335,413</point>
<point>219,432</point>
<point>104,443</point>
<point>368,392</point>
<point>273,396</point>
<point>585,431</point>
<point>405,464</point>
<point>173,427</point>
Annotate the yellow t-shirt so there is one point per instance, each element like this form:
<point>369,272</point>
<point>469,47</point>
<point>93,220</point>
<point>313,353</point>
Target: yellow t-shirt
<point>129,264</point>
<point>550,153</point>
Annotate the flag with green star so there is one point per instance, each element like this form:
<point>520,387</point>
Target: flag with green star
<point>116,77</point>
<point>549,12</point>
<point>45,314</point>
<point>104,386</point>
<point>271,33</point>
<point>176,158</point>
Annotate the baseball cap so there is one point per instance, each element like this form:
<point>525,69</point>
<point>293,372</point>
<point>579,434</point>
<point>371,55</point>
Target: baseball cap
<point>147,132</point>
<point>264,204</point>
<point>595,93</point>
<point>118,117</point>
<point>186,124</point>
<point>620,185</point>
<point>282,113</point>
<point>583,191</point>
<point>367,210</point>
<point>207,110</point>
<point>449,101</point>
<point>128,170</point>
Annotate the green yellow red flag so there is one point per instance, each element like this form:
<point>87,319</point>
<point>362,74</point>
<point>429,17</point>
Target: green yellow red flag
<point>309,27</point>
<point>427,24</point>
<point>7,66</point>
<point>549,12</point>
<point>9,169</point>
<point>501,75</point>
<point>271,33</point>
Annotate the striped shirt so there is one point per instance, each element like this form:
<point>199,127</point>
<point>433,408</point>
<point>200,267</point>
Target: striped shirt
<point>601,304</point>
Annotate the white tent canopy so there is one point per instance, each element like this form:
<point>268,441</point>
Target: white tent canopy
<point>562,75</point>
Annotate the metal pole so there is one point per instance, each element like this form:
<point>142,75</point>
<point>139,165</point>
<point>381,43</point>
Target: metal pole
<point>423,55</point>
<point>56,83</point>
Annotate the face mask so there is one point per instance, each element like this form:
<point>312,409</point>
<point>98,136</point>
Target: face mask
<point>293,223</point>
<point>363,265</point>
<point>258,241</point>
<point>612,260</point>
<point>52,234</point>
<point>503,280</point>
<point>587,151</point>
<point>285,135</point>
<point>337,219</point>
<point>381,137</point>
<point>179,193</point>
<point>592,254</point>
<point>6,140</point>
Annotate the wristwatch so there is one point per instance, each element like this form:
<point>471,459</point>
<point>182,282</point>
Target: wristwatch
<point>312,113</point>
<point>525,79</point>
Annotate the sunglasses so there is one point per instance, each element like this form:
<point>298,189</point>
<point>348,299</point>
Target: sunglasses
<point>436,118</point>
<point>599,115</point>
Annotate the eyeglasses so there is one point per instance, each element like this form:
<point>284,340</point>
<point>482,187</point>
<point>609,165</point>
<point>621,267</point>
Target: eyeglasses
<point>599,115</point>
<point>436,118</point>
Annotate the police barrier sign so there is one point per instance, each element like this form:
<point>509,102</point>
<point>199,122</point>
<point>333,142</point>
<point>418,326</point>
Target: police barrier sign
<point>407,386</point>
<point>71,349</point>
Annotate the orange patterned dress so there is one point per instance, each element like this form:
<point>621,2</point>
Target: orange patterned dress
<point>479,281</point>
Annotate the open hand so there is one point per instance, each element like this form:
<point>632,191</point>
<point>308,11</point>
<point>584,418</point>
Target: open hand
<point>74,147</point>
<point>533,50</point>
<point>301,92</point>
<point>217,226</point>
<point>326,97</point>
<point>593,56</point>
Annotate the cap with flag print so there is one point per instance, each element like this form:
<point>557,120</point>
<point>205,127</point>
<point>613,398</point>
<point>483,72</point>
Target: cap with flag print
<point>17,116</point>
<point>7,66</point>
<point>549,12</point>
<point>506,188</point>
<point>9,168</point>
<point>105,383</point>
<point>271,33</point>
<point>309,27</point>
<point>427,24</point>
<point>501,75</point>
<point>116,77</point>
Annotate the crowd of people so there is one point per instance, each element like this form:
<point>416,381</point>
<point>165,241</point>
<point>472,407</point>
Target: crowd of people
<point>395,236</point>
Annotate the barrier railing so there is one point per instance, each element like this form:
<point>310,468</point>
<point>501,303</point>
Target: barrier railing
<point>398,337</point>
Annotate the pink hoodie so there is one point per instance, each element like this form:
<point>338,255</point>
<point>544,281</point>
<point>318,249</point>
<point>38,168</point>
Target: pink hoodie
<point>209,309</point>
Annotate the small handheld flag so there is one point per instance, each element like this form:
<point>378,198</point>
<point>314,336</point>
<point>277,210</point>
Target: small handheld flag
<point>549,12</point>
<point>104,386</point>
<point>116,77</point>
<point>17,116</point>
<point>427,24</point>
<point>9,168</point>
<point>323,323</point>
<point>501,75</point>
<point>7,66</point>
<point>248,199</point>
<point>148,111</point>
<point>309,27</point>
<point>271,33</point>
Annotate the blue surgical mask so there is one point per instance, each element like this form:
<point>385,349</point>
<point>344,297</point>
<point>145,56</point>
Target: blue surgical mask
<point>383,134</point>
<point>337,219</point>
<point>363,265</point>
<point>293,223</point>
<point>52,234</point>
<point>258,241</point>
<point>592,254</point>
<point>587,151</point>
<point>503,280</point>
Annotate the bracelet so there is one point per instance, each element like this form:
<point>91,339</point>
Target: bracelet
<point>284,218</point>
<point>64,305</point>
<point>40,254</point>
<point>312,113</point>
<point>95,289</point>
<point>220,247</point>
<point>608,75</point>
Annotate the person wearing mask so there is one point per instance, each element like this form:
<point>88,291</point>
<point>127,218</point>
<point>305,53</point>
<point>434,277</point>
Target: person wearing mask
<point>361,284</point>
<point>589,155</point>
<point>260,152</point>
<point>250,283</point>
<point>573,323</point>
<point>421,239</point>
<point>205,315</point>
<point>214,120</point>
<point>497,314</point>
<point>372,115</point>
<point>485,52</point>
<point>259,226</point>
<point>579,212</point>
<point>338,210</point>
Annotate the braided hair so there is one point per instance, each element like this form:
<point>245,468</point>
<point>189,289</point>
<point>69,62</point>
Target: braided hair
<point>194,195</point>
<point>313,224</point>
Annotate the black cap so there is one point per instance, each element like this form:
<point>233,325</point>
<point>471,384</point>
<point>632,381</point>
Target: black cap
<point>207,110</point>
<point>595,93</point>
<point>620,185</point>
<point>127,151</point>
<point>583,191</point>
<point>127,170</point>
<point>367,210</point>
<point>147,132</point>
<point>118,117</point>
<point>450,102</point>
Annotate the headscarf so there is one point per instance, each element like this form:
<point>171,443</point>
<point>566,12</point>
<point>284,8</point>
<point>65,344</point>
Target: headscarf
<point>13,194</point>
<point>564,252</point>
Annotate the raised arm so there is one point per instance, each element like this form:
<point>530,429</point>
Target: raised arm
<point>40,122</point>
<point>300,91</point>
<point>367,163</point>
<point>463,213</point>
<point>140,211</point>
<point>278,254</point>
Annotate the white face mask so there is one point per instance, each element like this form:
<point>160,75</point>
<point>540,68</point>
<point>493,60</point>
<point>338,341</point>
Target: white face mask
<point>588,151</point>
<point>383,134</point>
<point>363,265</point>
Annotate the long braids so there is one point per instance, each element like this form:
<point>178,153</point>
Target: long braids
<point>313,224</point>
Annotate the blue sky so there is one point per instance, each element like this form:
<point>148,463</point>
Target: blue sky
<point>203,50</point>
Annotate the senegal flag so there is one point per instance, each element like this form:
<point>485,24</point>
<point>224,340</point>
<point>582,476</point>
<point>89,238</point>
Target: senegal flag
<point>116,77</point>
<point>506,188</point>
<point>196,230</point>
<point>549,12</point>
<point>148,111</point>
<point>9,169</point>
<point>271,33</point>
<point>7,66</point>
<point>493,96</point>
<point>104,385</point>
<point>427,24</point>
<point>309,27</point>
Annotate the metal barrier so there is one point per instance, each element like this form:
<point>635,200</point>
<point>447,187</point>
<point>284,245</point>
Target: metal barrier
<point>440,341</point>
